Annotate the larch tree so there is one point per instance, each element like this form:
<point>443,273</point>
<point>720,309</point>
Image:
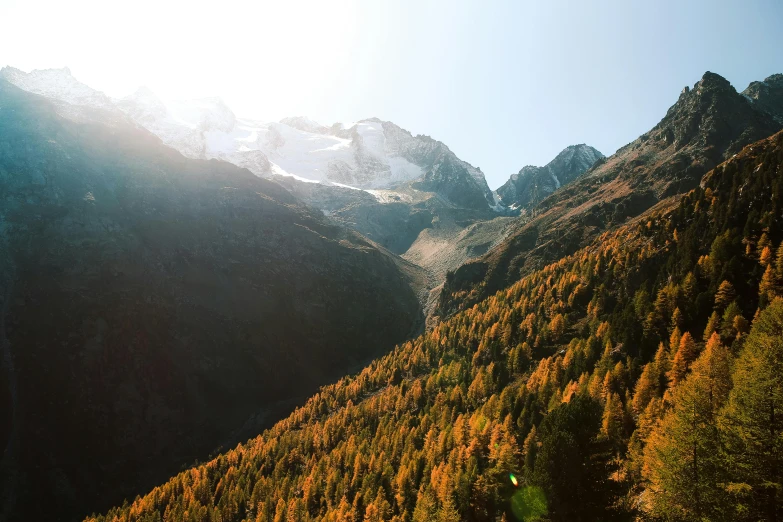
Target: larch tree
<point>766,257</point>
<point>779,264</point>
<point>426,508</point>
<point>752,421</point>
<point>613,421</point>
<point>713,323</point>
<point>683,467</point>
<point>768,287</point>
<point>572,466</point>
<point>725,295</point>
<point>646,388</point>
<point>686,354</point>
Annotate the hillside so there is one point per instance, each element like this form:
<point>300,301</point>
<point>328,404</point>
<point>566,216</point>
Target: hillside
<point>141,289</point>
<point>432,232</point>
<point>564,396</point>
<point>707,125</point>
<point>408,193</point>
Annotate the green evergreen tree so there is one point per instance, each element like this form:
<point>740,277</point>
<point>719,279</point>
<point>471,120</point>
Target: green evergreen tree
<point>683,468</point>
<point>426,509</point>
<point>713,324</point>
<point>752,421</point>
<point>572,467</point>
<point>724,296</point>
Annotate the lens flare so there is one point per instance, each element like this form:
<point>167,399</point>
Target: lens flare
<point>513,479</point>
<point>528,504</point>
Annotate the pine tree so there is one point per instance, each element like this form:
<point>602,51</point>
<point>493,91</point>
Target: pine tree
<point>425,510</point>
<point>712,326</point>
<point>646,387</point>
<point>677,318</point>
<point>645,424</point>
<point>766,257</point>
<point>662,368</point>
<point>448,511</point>
<point>764,242</point>
<point>674,340</point>
<point>686,354</point>
<point>572,467</point>
<point>280,511</point>
<point>768,287</point>
<point>727,329</point>
<point>557,327</point>
<point>752,421</point>
<point>613,421</point>
<point>682,462</point>
<point>724,296</point>
<point>296,511</point>
<point>529,452</point>
<point>779,264</point>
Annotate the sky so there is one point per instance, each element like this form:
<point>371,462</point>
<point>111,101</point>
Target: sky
<point>503,83</point>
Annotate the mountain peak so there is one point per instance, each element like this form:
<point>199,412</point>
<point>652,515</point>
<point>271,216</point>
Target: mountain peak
<point>697,118</point>
<point>58,84</point>
<point>767,96</point>
<point>532,184</point>
<point>711,79</point>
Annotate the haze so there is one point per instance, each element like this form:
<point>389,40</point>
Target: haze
<point>504,84</point>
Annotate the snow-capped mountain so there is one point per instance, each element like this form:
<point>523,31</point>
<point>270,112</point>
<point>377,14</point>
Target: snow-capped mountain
<point>369,154</point>
<point>532,184</point>
<point>57,84</point>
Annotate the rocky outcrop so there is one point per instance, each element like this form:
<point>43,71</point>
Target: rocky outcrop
<point>531,185</point>
<point>768,96</point>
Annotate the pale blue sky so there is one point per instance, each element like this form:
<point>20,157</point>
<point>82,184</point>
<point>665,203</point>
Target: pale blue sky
<point>503,83</point>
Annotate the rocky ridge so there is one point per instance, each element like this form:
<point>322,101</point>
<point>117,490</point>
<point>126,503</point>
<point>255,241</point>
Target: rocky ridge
<point>531,184</point>
<point>708,124</point>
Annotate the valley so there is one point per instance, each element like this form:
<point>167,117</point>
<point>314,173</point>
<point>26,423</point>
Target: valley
<point>390,337</point>
<point>410,194</point>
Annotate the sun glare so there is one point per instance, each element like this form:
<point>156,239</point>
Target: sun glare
<point>261,57</point>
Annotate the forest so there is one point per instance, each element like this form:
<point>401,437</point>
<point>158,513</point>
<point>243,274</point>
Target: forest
<point>639,379</point>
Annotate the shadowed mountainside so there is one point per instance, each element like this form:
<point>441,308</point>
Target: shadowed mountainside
<point>559,398</point>
<point>154,304</point>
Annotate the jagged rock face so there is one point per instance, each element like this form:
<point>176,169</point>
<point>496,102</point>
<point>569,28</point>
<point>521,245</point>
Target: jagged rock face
<point>427,231</point>
<point>369,154</point>
<point>706,125</point>
<point>153,304</point>
<point>532,184</point>
<point>710,116</point>
<point>768,96</point>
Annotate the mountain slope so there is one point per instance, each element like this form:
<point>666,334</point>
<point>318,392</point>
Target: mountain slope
<point>706,125</point>
<point>416,197</point>
<point>443,427</point>
<point>532,184</point>
<point>56,84</point>
<point>768,96</point>
<point>142,289</point>
<point>368,154</point>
